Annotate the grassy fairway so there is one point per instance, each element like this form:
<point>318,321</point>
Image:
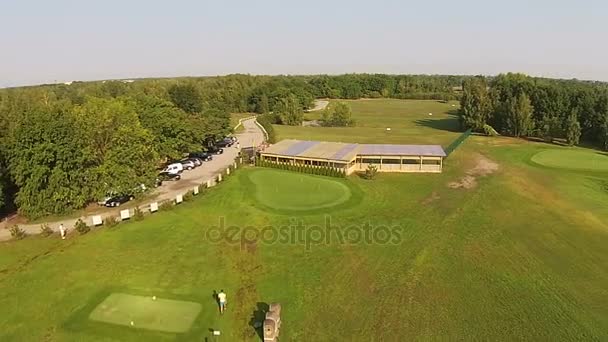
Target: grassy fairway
<point>296,192</point>
<point>575,159</point>
<point>520,256</point>
<point>409,121</point>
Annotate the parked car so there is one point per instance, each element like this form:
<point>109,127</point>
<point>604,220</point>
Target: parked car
<point>166,176</point>
<point>197,162</point>
<point>174,168</point>
<point>204,156</point>
<point>226,142</point>
<point>188,164</point>
<point>215,150</point>
<point>116,201</point>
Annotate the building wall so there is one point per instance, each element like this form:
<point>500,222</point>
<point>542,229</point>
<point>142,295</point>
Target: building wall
<point>383,163</point>
<point>400,163</point>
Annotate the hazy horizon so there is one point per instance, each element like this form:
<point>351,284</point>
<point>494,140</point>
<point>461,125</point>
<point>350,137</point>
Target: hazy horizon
<point>66,40</point>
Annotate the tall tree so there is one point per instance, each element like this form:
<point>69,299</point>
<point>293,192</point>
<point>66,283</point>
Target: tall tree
<point>519,115</point>
<point>337,115</point>
<point>573,128</point>
<point>169,125</point>
<point>290,111</point>
<point>122,150</point>
<point>475,104</point>
<point>49,163</point>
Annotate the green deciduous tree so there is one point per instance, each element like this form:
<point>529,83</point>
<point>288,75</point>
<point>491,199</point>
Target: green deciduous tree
<point>475,104</point>
<point>186,97</point>
<point>49,163</point>
<point>573,129</point>
<point>338,115</point>
<point>289,111</point>
<point>170,127</point>
<point>122,150</point>
<point>518,113</point>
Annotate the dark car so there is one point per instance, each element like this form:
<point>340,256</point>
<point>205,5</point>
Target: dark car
<point>166,176</point>
<point>204,156</point>
<point>116,201</point>
<point>215,150</point>
<point>227,142</point>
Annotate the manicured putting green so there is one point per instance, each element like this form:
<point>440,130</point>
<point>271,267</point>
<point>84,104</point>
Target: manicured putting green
<point>572,159</point>
<point>293,191</point>
<point>142,312</point>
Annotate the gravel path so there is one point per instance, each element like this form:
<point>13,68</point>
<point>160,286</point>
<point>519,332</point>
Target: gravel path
<point>251,136</point>
<point>319,105</point>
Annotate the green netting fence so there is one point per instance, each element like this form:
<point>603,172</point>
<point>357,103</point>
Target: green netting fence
<point>457,142</point>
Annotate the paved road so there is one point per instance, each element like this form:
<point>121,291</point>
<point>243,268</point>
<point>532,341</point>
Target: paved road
<point>251,136</point>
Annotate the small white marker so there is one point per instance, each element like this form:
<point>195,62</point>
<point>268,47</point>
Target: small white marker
<point>132,323</point>
<point>153,297</point>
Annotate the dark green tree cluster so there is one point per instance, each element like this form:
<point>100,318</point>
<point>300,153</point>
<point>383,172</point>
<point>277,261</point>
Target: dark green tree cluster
<point>310,169</point>
<point>519,105</point>
<point>62,147</point>
<point>338,115</point>
<point>354,86</point>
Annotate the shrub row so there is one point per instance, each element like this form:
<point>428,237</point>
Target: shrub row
<point>266,120</point>
<point>310,169</point>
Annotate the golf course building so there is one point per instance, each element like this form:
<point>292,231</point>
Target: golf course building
<point>356,157</point>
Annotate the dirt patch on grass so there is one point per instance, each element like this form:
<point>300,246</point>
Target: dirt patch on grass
<point>483,167</point>
<point>433,197</point>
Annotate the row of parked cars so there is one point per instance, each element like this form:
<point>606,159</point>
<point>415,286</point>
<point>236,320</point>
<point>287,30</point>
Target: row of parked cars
<point>173,170</point>
<point>196,159</point>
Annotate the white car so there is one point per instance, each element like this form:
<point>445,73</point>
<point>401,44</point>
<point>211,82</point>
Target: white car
<point>174,169</point>
<point>188,164</point>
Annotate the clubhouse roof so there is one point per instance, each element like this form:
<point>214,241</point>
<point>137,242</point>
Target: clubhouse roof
<point>346,152</point>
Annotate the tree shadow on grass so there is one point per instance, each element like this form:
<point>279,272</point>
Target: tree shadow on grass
<point>257,318</point>
<point>450,124</point>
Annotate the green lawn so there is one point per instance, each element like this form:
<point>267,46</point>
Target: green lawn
<point>575,159</point>
<point>520,256</point>
<point>409,121</point>
<point>275,189</point>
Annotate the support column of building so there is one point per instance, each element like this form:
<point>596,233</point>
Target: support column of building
<point>420,163</point>
<point>380,162</point>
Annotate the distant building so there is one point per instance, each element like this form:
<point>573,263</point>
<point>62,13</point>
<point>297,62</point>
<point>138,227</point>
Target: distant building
<point>357,157</point>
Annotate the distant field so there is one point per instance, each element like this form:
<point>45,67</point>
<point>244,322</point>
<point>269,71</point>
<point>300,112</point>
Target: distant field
<point>518,254</point>
<point>409,121</point>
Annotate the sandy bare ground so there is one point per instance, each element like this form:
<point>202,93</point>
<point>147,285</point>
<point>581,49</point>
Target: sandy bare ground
<point>251,136</point>
<point>319,105</point>
<point>483,167</point>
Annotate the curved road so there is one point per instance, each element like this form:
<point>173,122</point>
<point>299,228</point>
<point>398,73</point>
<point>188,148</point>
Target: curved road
<point>251,136</point>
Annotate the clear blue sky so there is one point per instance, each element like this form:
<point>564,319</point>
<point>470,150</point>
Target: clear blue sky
<point>61,40</point>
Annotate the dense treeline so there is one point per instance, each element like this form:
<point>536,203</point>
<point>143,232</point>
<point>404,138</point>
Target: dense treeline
<point>519,105</point>
<point>63,146</point>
